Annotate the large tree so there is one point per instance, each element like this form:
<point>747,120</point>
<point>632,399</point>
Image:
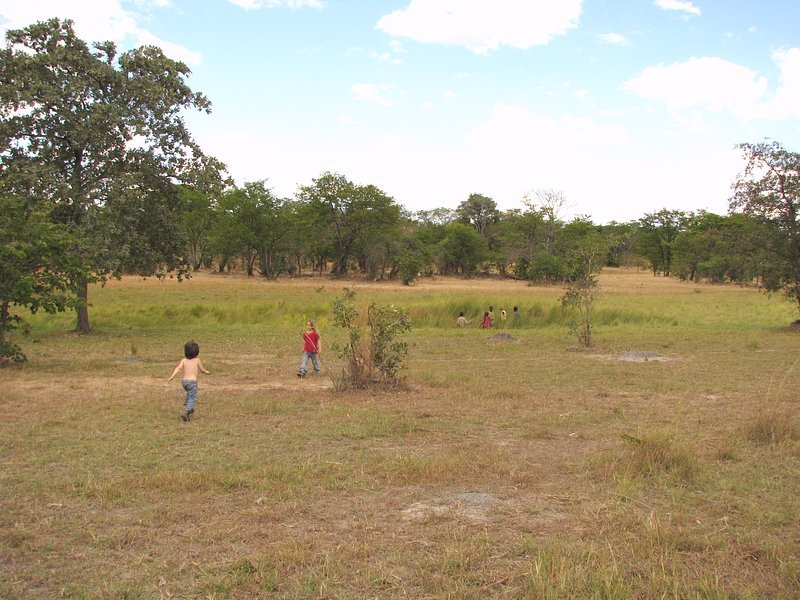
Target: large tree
<point>100,136</point>
<point>657,233</point>
<point>479,211</point>
<point>461,250</point>
<point>769,189</point>
<point>348,215</point>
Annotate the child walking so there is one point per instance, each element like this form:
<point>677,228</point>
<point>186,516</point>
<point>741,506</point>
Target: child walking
<point>191,367</point>
<point>312,345</point>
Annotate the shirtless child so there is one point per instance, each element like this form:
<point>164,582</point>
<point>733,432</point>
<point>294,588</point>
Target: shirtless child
<point>192,367</point>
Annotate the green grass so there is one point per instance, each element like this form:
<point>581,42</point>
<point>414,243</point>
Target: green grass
<point>601,478</point>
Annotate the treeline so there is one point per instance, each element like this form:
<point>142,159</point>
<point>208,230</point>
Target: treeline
<point>99,177</point>
<point>336,227</point>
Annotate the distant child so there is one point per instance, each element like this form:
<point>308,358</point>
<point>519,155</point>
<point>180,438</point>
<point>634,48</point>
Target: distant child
<point>502,315</point>
<point>462,320</point>
<point>491,314</point>
<point>191,367</point>
<point>487,321</point>
<point>515,312</point>
<point>312,346</point>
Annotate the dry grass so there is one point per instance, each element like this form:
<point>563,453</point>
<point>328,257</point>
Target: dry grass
<point>503,470</point>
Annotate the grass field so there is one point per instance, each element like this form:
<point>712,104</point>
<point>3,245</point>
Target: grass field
<point>517,469</point>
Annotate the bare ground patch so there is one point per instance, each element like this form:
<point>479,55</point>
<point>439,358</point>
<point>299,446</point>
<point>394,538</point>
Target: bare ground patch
<point>635,356</point>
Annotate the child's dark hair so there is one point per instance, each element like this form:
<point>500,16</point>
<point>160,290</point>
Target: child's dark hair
<point>191,349</point>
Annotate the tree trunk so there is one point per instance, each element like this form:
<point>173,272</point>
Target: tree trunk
<point>5,321</point>
<point>82,310</point>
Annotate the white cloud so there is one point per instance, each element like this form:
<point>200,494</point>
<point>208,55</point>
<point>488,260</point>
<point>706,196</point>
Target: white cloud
<point>257,4</point>
<point>602,169</point>
<point>679,5</point>
<point>613,38</point>
<point>94,22</point>
<point>786,102</point>
<point>174,51</point>
<point>483,26</point>
<point>709,83</point>
<point>374,93</point>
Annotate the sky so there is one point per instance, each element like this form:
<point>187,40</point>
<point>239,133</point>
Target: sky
<point>625,107</point>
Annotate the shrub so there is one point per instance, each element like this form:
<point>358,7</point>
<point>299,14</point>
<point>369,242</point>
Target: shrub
<point>374,359</point>
<point>546,269</point>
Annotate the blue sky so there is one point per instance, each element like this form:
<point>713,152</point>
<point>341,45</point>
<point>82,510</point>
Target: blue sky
<point>625,106</point>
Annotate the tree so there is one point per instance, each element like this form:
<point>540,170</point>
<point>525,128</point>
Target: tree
<point>265,220</point>
<point>100,136</point>
<point>521,235</point>
<point>479,211</point>
<point>199,195</point>
<point>769,190</point>
<point>348,214</point>
<point>435,216</point>
<point>250,222</point>
<point>461,249</point>
<point>550,204</point>
<point>35,271</point>
<point>197,219</point>
<point>620,238</point>
<point>585,257</point>
<point>657,233</point>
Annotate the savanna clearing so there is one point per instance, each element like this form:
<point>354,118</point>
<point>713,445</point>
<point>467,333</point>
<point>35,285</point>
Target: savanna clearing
<point>504,469</point>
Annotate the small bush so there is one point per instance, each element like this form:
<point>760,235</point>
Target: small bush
<point>375,358</point>
<point>545,268</point>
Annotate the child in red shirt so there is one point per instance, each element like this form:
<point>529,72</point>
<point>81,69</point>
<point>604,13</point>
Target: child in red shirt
<point>312,346</point>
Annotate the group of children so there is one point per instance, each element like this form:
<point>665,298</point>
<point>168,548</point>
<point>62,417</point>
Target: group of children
<point>488,318</point>
<point>191,366</point>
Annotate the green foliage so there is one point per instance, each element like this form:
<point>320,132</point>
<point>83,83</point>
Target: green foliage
<point>409,265</point>
<point>547,269</point>
<point>769,190</point>
<point>348,219</point>
<point>251,224</point>
<point>35,267</point>
<point>479,211</point>
<point>657,235</point>
<point>581,295</point>
<point>372,355</point>
<point>460,251</point>
<point>101,137</point>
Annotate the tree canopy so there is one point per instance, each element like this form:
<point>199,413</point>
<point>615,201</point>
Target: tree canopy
<point>768,189</point>
<point>99,137</point>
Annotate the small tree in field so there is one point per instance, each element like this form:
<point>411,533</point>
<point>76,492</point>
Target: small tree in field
<point>581,295</point>
<point>582,287</point>
<point>375,357</point>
